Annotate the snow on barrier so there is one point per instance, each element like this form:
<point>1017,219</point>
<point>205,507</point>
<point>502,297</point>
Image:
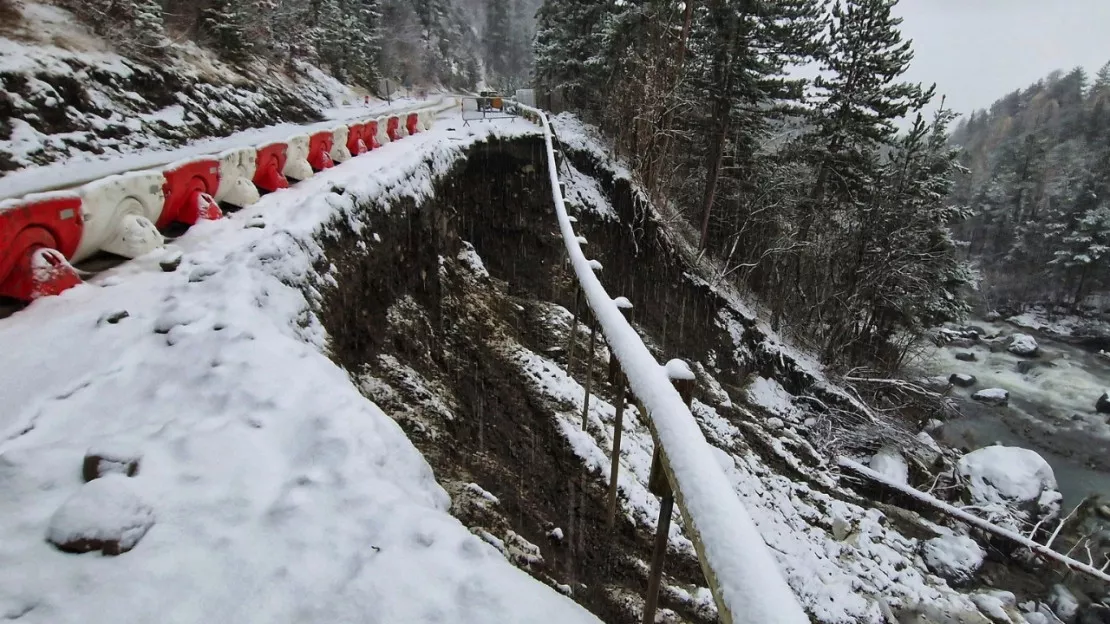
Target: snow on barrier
<point>237,167</point>
<point>268,172</point>
<point>339,152</point>
<point>189,191</point>
<point>319,150</point>
<point>381,137</point>
<point>427,118</point>
<point>38,233</point>
<point>741,572</point>
<point>393,128</point>
<point>119,213</point>
<point>297,167</point>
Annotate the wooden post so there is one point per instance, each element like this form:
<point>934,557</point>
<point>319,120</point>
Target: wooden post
<point>618,430</point>
<point>573,330</point>
<point>589,372</point>
<point>661,486</point>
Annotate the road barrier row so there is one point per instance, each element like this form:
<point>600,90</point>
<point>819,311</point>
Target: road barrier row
<point>43,234</point>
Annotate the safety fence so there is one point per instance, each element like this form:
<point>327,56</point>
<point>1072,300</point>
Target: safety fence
<point>43,234</point>
<point>743,576</point>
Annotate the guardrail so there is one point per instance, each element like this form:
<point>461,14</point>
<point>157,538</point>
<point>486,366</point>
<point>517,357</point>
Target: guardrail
<point>744,578</point>
<point>126,214</point>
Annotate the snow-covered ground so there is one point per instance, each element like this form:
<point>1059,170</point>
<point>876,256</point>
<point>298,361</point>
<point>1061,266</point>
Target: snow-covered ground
<point>279,493</point>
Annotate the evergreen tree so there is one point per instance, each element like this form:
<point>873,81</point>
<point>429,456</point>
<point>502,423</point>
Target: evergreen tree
<point>226,23</point>
<point>498,40</point>
<point>147,26</point>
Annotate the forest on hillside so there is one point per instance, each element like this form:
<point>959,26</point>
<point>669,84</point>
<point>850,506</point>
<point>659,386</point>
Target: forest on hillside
<point>806,191</point>
<point>1038,184</point>
<point>454,43</point>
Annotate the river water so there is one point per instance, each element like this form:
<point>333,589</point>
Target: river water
<point>1051,411</point>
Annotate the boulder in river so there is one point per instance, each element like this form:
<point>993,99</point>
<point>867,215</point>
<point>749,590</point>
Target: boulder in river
<point>1025,366</point>
<point>992,396</point>
<point>1102,406</point>
<point>1012,484</point>
<point>966,356</point>
<point>962,380</point>
<point>1023,345</point>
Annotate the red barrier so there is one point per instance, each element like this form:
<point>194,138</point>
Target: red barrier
<point>189,191</point>
<point>268,174</point>
<point>37,234</point>
<point>371,128</point>
<point>319,151</point>
<point>356,143</point>
<point>413,123</point>
<point>393,128</point>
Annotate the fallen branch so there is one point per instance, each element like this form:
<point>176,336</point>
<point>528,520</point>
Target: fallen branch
<point>976,522</point>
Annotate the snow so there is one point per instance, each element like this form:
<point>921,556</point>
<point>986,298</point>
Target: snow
<point>1063,603</point>
<point>1001,475</point>
<point>996,396</point>
<point>477,489</point>
<point>470,259</point>
<point>679,370</point>
<point>770,395</point>
<point>282,494</point>
<point>993,607</point>
<point>749,585</point>
<point>888,461</point>
<point>954,557</point>
<point>556,534</point>
<point>1023,344</point>
<point>102,509</point>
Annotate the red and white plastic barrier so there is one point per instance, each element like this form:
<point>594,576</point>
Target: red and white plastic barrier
<point>41,234</point>
<point>38,234</point>
<point>269,170</point>
<point>237,168</point>
<point>297,167</point>
<point>319,150</point>
<point>339,152</point>
<point>119,213</point>
<point>189,191</point>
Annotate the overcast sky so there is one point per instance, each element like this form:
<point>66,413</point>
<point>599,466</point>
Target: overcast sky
<point>976,51</point>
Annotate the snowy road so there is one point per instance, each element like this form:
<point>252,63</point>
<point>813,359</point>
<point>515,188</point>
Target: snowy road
<point>280,494</point>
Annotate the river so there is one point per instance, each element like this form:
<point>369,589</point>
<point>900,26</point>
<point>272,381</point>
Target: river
<point>1052,407</point>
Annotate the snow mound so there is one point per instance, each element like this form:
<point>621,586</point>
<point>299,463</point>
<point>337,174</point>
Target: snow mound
<point>888,461</point>
<point>1011,484</point>
<point>1023,344</point>
<point>955,558</point>
<point>105,514</point>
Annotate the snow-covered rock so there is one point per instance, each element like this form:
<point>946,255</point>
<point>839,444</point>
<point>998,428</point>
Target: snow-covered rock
<point>888,461</point>
<point>955,558</point>
<point>1064,604</point>
<point>1009,485</point>
<point>999,606</point>
<point>1024,345</point>
<point>962,380</point>
<point>105,514</point>
<point>992,396</point>
<point>103,460</point>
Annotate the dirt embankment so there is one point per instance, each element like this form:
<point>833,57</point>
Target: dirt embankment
<point>424,332</point>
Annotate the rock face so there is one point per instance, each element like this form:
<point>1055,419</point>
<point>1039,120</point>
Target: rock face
<point>962,380</point>
<point>1010,484</point>
<point>992,396</point>
<point>103,461</point>
<point>966,356</point>
<point>1023,345</point>
<point>106,514</point>
<point>955,558</point>
<point>1102,406</point>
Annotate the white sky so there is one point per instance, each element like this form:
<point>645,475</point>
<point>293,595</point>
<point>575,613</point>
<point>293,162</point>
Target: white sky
<point>976,51</point>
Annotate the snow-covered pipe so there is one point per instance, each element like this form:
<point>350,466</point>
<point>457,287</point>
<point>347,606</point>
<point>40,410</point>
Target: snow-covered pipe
<point>742,574</point>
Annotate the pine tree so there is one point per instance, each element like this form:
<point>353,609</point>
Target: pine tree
<point>226,23</point>
<point>497,40</point>
<point>569,39</point>
<point>147,26</point>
